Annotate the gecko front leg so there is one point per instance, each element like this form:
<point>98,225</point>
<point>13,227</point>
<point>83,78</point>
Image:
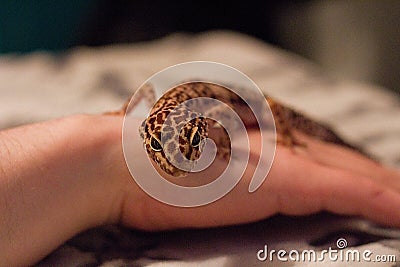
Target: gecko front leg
<point>146,93</point>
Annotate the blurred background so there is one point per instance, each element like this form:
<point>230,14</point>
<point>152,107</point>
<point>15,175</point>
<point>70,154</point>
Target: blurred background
<point>351,39</point>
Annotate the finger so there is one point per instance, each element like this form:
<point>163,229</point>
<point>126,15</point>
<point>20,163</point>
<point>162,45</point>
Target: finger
<point>344,158</point>
<point>304,186</point>
<point>351,194</point>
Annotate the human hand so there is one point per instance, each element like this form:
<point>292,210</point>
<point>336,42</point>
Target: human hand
<point>319,177</point>
<point>60,177</point>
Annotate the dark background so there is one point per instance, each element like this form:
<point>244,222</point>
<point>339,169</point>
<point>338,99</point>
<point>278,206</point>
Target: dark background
<point>351,39</point>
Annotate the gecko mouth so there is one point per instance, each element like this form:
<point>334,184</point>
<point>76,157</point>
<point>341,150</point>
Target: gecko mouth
<point>170,169</point>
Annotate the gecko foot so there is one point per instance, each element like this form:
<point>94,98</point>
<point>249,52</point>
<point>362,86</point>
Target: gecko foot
<point>290,141</point>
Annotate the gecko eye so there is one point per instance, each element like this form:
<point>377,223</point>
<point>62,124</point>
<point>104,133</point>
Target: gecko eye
<point>195,139</point>
<point>155,145</point>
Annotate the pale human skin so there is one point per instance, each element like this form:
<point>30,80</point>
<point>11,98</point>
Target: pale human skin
<point>60,177</point>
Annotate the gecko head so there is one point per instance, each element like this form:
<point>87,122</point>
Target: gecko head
<point>167,146</point>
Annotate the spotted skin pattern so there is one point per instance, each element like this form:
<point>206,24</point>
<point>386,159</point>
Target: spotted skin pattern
<point>195,127</point>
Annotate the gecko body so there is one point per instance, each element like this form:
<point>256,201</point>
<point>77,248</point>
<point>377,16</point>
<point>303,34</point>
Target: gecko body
<point>185,129</point>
